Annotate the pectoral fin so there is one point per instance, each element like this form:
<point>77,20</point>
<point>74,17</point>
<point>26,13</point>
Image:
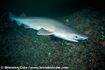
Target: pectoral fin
<point>42,31</point>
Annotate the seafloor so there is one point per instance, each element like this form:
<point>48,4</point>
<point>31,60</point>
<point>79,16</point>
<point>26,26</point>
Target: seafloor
<point>20,46</point>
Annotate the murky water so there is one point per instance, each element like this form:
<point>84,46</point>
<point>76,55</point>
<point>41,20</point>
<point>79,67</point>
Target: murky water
<point>23,47</point>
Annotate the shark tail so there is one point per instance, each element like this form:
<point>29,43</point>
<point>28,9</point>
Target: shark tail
<point>16,19</point>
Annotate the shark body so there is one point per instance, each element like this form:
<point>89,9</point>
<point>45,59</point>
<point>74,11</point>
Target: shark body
<point>46,26</point>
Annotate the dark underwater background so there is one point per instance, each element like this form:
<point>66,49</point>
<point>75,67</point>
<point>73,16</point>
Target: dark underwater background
<point>20,46</point>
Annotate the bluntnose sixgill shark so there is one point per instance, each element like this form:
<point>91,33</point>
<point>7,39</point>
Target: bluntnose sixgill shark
<point>46,26</point>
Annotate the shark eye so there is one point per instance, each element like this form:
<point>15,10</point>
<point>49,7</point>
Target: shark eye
<point>76,36</point>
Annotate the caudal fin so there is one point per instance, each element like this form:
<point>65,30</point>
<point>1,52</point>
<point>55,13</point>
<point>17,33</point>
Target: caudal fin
<point>14,18</point>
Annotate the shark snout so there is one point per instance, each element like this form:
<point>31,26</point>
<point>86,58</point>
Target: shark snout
<point>84,38</point>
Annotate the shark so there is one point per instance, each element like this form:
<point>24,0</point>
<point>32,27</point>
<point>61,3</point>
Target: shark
<point>48,26</point>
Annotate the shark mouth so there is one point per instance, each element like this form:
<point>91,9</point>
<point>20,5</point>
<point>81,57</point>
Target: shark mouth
<point>74,40</point>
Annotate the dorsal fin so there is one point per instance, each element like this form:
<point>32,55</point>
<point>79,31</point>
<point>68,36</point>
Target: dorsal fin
<point>23,15</point>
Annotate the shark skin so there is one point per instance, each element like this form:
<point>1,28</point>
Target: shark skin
<point>46,26</point>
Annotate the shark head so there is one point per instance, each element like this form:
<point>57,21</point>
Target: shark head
<point>76,37</point>
<point>73,37</point>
